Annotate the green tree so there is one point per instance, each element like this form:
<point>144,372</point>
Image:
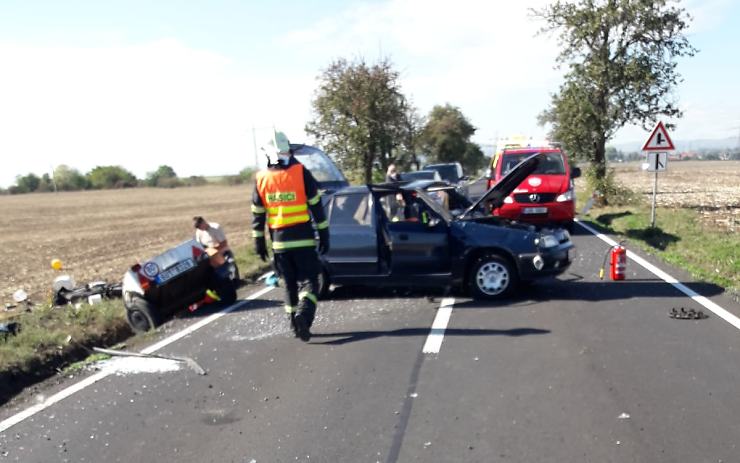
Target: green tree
<point>362,117</point>
<point>26,183</point>
<point>111,177</point>
<point>164,176</point>
<point>621,57</point>
<point>69,179</point>
<point>46,183</point>
<point>446,138</point>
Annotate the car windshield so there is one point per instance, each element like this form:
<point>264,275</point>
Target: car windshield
<point>551,165</point>
<point>446,171</point>
<point>319,164</point>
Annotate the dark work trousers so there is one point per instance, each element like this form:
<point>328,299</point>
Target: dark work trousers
<point>299,268</point>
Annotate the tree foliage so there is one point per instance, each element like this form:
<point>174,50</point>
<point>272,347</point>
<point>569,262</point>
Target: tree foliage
<point>69,179</point>
<point>362,117</point>
<point>26,183</point>
<point>446,138</point>
<point>621,57</point>
<point>111,177</point>
<point>164,177</point>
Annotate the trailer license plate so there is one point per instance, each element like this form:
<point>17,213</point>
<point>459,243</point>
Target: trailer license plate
<point>534,210</point>
<point>176,270</point>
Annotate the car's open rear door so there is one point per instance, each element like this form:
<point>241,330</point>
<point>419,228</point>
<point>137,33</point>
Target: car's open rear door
<point>354,240</point>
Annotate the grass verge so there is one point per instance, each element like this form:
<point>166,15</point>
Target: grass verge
<point>56,339</point>
<point>678,238</point>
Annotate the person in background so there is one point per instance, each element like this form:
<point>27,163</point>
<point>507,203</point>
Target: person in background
<point>392,175</point>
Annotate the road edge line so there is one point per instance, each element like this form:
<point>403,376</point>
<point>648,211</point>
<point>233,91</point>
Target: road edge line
<point>437,333</point>
<point>696,297</point>
<point>90,380</point>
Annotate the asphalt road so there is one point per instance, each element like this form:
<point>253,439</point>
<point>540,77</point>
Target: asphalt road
<point>573,370</point>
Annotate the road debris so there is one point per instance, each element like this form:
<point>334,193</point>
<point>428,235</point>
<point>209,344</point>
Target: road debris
<point>683,314</point>
<point>65,291</point>
<point>20,296</point>
<point>9,329</point>
<point>187,360</point>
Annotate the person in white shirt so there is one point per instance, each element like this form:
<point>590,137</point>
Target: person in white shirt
<point>213,239</point>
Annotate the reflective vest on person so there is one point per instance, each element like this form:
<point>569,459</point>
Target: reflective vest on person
<point>284,196</point>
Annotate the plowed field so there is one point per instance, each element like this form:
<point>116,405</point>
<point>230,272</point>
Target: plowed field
<point>99,234</point>
<point>710,187</point>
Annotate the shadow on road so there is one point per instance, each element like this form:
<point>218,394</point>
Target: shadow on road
<point>579,290</point>
<point>354,336</point>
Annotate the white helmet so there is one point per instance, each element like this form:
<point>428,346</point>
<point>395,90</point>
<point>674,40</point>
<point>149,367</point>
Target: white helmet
<point>277,149</point>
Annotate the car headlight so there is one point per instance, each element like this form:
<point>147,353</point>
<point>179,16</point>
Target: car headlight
<point>508,200</point>
<point>567,196</point>
<point>547,241</point>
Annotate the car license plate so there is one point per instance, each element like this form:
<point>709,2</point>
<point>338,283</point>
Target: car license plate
<point>534,210</point>
<point>176,270</point>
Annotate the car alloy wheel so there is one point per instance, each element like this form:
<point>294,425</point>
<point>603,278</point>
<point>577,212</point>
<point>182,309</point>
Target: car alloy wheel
<point>492,278</point>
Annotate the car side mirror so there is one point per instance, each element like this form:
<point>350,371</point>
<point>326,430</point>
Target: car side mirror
<point>575,172</point>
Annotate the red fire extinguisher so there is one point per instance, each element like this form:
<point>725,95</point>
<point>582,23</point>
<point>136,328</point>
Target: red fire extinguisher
<point>617,263</point>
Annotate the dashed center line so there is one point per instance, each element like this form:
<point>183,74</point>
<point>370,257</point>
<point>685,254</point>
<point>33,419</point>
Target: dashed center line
<point>437,333</point>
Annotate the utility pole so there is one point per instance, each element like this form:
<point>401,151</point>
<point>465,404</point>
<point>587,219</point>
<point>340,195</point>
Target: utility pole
<point>254,144</point>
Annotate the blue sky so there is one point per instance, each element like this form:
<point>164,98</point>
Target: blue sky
<point>144,83</point>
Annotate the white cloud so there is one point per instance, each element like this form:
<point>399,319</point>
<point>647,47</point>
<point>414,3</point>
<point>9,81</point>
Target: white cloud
<point>482,56</point>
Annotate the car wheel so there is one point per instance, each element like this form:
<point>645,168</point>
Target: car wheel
<point>492,277</point>
<point>570,226</point>
<point>141,315</point>
<point>324,284</point>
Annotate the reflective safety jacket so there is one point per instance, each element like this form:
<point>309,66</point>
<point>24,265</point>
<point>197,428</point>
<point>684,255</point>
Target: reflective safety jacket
<point>286,198</point>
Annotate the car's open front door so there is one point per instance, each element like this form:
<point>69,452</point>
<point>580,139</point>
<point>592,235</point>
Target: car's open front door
<point>419,243</point>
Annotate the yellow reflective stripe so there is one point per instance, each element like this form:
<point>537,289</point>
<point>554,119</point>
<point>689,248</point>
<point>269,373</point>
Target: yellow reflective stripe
<point>323,225</point>
<point>212,294</point>
<point>282,220</point>
<point>258,209</point>
<point>310,296</point>
<point>293,244</point>
<point>257,234</point>
<point>286,209</point>
<point>289,309</point>
<point>315,200</point>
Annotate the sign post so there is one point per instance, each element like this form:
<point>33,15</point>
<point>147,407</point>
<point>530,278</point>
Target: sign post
<point>657,146</point>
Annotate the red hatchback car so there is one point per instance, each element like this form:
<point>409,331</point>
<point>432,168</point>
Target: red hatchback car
<point>546,197</point>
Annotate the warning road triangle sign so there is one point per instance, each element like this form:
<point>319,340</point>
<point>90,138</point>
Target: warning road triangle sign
<point>659,140</point>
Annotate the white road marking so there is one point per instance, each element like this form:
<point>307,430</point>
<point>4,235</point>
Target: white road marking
<point>703,301</point>
<point>437,333</point>
<point>90,380</point>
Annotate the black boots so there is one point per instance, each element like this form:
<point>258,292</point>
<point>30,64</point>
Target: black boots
<point>301,328</point>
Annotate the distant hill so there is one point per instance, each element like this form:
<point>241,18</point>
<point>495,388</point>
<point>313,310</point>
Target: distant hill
<point>686,145</point>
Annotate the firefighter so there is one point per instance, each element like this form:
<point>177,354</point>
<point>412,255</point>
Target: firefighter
<point>283,196</point>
